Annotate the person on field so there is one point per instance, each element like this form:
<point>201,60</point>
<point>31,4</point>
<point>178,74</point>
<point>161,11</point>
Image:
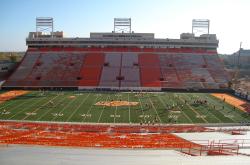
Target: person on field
<point>51,103</point>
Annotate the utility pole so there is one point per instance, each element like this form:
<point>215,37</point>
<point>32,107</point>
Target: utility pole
<point>238,63</point>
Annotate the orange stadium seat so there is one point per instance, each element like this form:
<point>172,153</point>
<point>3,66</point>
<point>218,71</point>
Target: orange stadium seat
<point>122,136</point>
<point>91,69</point>
<point>119,67</point>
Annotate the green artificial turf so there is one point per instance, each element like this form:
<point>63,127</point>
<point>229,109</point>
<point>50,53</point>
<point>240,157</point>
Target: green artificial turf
<point>152,107</point>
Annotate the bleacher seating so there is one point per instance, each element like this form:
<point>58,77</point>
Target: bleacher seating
<point>91,69</point>
<point>119,68</point>
<point>216,69</point>
<point>150,70</point>
<point>170,78</point>
<point>192,71</point>
<point>56,69</point>
<point>18,78</point>
<point>111,70</point>
<point>130,70</point>
<point>71,74</point>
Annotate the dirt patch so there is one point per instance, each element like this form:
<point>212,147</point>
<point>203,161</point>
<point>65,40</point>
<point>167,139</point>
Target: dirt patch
<point>116,103</point>
<point>72,97</point>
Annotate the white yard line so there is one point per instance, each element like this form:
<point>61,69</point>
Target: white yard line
<point>129,110</point>
<point>154,108</point>
<point>40,106</point>
<point>90,107</point>
<point>18,105</point>
<point>198,114</point>
<point>102,110</point>
<point>208,111</point>
<point>179,109</point>
<point>116,108</point>
<point>143,114</point>
<point>8,103</point>
<point>115,113</point>
<point>51,108</point>
<point>77,108</point>
<point>30,105</point>
<point>63,109</point>
<point>12,102</point>
<point>213,114</point>
<point>223,113</point>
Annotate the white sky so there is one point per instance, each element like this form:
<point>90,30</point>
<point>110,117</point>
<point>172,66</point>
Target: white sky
<point>229,20</point>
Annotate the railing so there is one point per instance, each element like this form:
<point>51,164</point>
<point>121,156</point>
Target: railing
<point>212,149</point>
<point>126,49</point>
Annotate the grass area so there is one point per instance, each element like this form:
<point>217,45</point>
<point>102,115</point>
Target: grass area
<point>11,56</point>
<point>152,107</point>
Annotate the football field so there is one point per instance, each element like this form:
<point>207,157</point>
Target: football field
<point>120,107</point>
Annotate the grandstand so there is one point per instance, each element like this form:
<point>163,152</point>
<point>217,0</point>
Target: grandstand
<point>117,99</point>
<point>120,61</point>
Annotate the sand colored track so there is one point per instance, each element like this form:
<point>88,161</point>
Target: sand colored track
<point>116,103</point>
<point>11,94</point>
<point>240,104</point>
<point>100,136</point>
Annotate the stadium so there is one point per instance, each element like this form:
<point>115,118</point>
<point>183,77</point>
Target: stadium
<point>123,89</point>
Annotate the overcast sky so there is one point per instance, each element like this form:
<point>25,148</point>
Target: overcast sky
<point>229,19</point>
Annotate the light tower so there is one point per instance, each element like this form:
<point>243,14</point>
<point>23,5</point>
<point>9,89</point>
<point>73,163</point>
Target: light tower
<point>200,26</point>
<point>122,25</point>
<point>44,25</point>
